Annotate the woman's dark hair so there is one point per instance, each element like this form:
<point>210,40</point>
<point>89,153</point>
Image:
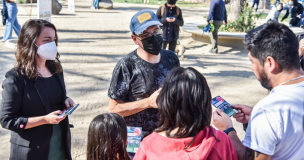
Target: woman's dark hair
<point>184,103</point>
<point>26,50</point>
<point>275,40</point>
<point>107,138</point>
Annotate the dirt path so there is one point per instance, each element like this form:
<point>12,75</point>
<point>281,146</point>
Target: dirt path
<point>92,41</point>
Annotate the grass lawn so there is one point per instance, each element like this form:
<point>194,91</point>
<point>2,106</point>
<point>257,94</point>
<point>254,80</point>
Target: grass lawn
<point>155,2</point>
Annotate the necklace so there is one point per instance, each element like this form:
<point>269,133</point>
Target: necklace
<point>292,80</point>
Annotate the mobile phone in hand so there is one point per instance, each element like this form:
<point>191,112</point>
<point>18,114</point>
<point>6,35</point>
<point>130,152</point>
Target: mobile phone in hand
<point>171,17</point>
<point>68,111</point>
<point>223,105</point>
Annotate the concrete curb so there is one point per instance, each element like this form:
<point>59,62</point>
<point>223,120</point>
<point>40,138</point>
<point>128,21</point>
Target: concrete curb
<point>229,39</point>
<point>11,43</point>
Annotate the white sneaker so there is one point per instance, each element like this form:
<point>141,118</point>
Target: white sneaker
<point>2,40</point>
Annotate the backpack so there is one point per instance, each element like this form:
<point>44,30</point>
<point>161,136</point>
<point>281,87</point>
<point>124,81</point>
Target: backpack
<point>162,11</point>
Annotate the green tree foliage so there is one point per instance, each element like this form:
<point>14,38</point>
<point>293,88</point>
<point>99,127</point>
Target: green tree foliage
<point>245,22</point>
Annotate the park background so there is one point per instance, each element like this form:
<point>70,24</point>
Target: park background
<point>92,41</point>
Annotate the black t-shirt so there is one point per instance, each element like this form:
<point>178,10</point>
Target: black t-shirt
<point>54,92</point>
<point>135,79</point>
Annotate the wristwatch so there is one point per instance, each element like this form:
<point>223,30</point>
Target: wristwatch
<point>229,130</point>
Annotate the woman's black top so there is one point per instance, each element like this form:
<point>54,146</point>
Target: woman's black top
<point>55,95</point>
<point>23,98</point>
<point>54,92</point>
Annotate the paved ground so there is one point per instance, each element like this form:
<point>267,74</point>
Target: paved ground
<point>92,41</point>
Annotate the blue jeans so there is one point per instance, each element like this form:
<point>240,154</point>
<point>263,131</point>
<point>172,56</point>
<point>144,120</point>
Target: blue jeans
<point>11,22</point>
<point>96,5</point>
<point>257,4</point>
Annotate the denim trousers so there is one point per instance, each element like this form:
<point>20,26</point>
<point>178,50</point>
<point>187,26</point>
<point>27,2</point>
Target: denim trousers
<point>257,4</point>
<point>96,5</point>
<point>11,22</point>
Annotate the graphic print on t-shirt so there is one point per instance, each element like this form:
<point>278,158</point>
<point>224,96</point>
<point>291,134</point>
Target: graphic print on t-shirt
<point>135,79</point>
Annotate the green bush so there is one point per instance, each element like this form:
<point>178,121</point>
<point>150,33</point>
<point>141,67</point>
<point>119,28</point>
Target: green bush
<point>22,1</point>
<point>245,22</point>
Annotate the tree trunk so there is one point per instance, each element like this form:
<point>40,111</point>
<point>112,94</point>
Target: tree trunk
<point>235,9</point>
<point>267,4</point>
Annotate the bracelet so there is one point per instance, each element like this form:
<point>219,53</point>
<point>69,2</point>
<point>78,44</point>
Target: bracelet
<point>229,130</point>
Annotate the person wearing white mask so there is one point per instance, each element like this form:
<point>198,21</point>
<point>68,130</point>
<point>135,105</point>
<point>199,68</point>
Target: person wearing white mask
<point>34,94</point>
<point>275,13</point>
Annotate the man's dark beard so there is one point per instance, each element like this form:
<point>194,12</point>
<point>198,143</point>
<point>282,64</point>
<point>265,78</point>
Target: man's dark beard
<point>265,82</point>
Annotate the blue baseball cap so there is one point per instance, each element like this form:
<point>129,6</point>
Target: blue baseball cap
<point>142,20</point>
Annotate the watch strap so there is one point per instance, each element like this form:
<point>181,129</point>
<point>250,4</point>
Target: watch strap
<point>229,130</point>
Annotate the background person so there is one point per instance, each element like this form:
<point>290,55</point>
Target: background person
<point>275,124</point>
<point>171,17</point>
<point>12,21</point>
<point>275,13</point>
<point>33,95</point>
<point>96,4</point>
<point>295,9</point>
<point>256,2</point>
<point>184,130</point>
<point>218,14</point>
<point>138,76</point>
<point>107,138</point>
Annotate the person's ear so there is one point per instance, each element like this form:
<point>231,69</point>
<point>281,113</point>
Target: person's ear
<point>271,65</point>
<point>134,39</point>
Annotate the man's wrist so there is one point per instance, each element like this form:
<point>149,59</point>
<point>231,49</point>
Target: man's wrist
<point>147,103</point>
<point>228,130</point>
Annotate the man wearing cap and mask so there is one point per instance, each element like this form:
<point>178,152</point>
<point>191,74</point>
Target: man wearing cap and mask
<point>137,77</point>
<point>171,17</point>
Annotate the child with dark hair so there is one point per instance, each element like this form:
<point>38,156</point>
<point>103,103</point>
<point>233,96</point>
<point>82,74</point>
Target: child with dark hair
<point>184,130</point>
<point>107,138</point>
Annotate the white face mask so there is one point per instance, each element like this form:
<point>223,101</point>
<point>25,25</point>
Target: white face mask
<point>279,8</point>
<point>47,51</point>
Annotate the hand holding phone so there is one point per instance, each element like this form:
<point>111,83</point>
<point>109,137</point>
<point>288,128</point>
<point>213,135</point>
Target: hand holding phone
<point>68,111</point>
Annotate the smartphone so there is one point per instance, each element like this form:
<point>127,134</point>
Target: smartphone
<point>171,17</point>
<point>223,105</point>
<point>68,111</point>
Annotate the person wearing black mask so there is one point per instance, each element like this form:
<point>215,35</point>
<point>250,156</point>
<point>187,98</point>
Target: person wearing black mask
<point>171,17</point>
<point>137,77</point>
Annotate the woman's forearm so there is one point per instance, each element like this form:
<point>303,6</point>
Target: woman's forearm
<point>35,121</point>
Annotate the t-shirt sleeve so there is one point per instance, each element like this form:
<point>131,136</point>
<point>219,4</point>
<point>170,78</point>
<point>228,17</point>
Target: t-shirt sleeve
<point>262,133</point>
<point>119,86</point>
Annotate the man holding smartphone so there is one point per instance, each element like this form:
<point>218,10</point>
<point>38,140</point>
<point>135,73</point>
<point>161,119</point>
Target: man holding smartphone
<point>275,124</point>
<point>171,17</point>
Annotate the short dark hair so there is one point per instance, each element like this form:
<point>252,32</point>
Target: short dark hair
<point>107,138</point>
<point>184,103</point>
<point>275,40</point>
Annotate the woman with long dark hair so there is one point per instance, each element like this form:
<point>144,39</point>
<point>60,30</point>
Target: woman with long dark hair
<point>107,138</point>
<point>34,94</point>
<point>184,130</point>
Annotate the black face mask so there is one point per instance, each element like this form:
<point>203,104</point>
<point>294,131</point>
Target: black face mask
<point>152,44</point>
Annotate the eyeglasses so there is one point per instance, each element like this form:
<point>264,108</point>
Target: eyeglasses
<point>157,31</point>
